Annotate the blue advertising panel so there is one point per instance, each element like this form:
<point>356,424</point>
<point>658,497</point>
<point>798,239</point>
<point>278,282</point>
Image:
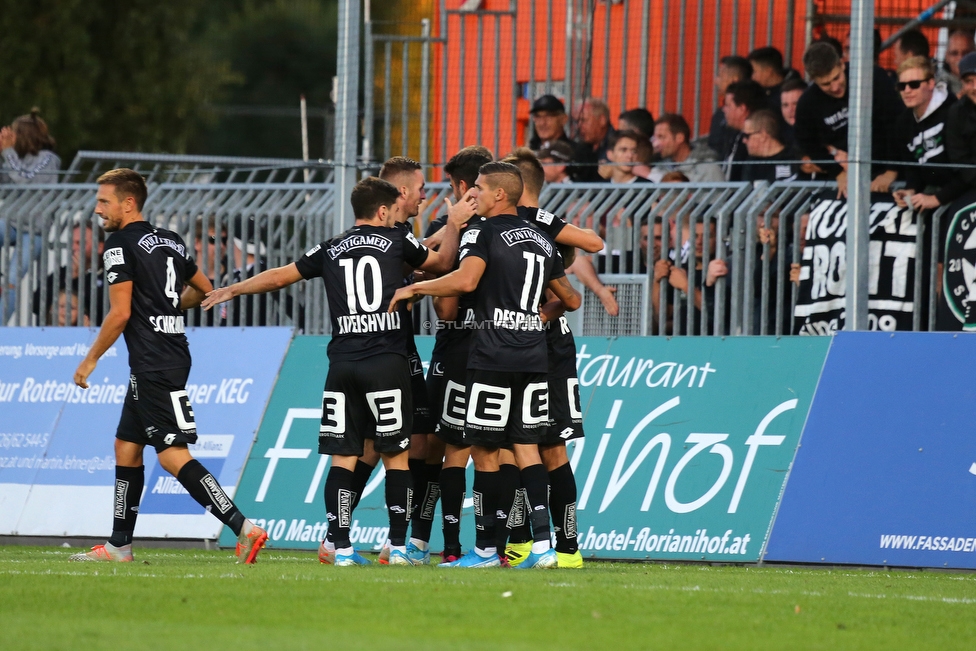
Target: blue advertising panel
<point>886,471</point>
<point>57,465</point>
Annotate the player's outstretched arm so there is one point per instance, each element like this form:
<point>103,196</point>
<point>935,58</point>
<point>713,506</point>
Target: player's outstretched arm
<point>463,281</point>
<point>581,238</point>
<point>120,307</point>
<point>195,291</point>
<point>583,269</point>
<point>266,281</point>
<point>566,293</point>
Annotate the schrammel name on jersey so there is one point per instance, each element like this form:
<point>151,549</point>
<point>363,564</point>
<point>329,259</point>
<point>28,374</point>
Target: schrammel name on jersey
<point>168,325</point>
<point>358,242</point>
<point>366,323</point>
<point>517,235</point>
<point>151,242</point>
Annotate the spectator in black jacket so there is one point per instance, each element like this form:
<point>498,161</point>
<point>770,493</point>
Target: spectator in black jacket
<point>548,114</point>
<point>730,69</point>
<point>790,93</point>
<point>595,133</point>
<point>742,99</point>
<point>961,124</point>
<point>921,137</point>
<point>769,159</point>
<point>822,118</point>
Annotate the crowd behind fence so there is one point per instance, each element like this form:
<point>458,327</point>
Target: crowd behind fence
<point>680,258</point>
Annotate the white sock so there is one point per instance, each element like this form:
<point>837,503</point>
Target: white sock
<point>487,552</point>
<point>345,551</point>
<point>541,547</point>
<point>422,545</point>
<point>400,548</point>
<point>328,545</point>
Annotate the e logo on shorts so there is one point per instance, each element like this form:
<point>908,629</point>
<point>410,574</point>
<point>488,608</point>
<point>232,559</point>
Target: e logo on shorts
<point>453,412</point>
<point>489,406</point>
<point>387,410</point>
<point>333,413</point>
<point>535,403</point>
<point>572,390</point>
<point>182,410</point>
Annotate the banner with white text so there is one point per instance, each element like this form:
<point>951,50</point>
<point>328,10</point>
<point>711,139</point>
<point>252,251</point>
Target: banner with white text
<point>688,443</point>
<point>57,464</point>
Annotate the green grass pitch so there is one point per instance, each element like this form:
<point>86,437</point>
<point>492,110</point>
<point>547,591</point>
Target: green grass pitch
<point>170,599</point>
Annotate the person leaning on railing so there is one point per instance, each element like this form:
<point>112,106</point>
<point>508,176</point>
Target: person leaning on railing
<point>922,137</point>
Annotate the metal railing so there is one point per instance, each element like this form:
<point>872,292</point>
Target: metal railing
<point>660,242</point>
<point>87,166</point>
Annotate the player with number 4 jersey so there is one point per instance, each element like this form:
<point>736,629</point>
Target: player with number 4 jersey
<point>367,392</point>
<point>152,280</point>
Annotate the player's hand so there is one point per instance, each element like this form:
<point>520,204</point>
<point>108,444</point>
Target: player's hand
<point>217,296</point>
<point>463,210</point>
<point>7,137</point>
<point>402,294</point>
<point>84,370</point>
<point>606,296</point>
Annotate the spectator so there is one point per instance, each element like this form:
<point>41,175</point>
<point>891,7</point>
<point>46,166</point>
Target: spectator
<point>27,149</point>
<point>730,69</point>
<point>769,159</point>
<point>768,72</point>
<point>91,284</point>
<point>595,132</point>
<point>640,121</point>
<point>555,156</point>
<point>845,51</point>
<point>64,317</point>
<point>961,124</point>
<point>921,137</point>
<point>622,152</point>
<point>742,99</point>
<point>672,142</point>
<point>789,95</point>
<point>548,121</point>
<point>960,44</point>
<point>822,118</point>
<point>912,43</point>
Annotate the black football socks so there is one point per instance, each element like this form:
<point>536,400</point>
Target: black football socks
<point>339,500</point>
<point>562,503</point>
<point>536,482</point>
<point>128,493</point>
<point>453,487</point>
<point>485,492</point>
<point>429,491</point>
<point>399,504</point>
<point>203,487</point>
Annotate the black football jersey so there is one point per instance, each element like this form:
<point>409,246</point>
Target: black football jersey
<point>545,220</point>
<point>561,348</point>
<point>157,263</point>
<point>453,337</point>
<point>362,269</point>
<point>520,261</point>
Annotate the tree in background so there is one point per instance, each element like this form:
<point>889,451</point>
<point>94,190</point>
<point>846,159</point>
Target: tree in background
<point>114,74</point>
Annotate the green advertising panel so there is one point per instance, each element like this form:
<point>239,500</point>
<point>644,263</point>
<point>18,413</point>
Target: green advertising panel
<point>688,445</point>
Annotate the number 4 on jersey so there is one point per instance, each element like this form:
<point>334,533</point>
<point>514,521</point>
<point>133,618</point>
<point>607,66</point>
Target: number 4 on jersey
<point>171,283</point>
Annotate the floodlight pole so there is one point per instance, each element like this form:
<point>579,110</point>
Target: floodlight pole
<point>346,112</point>
<point>859,125</point>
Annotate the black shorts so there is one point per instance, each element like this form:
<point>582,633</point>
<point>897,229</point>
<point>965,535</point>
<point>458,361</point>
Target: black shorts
<point>565,413</point>
<point>423,420</point>
<point>504,408</point>
<point>157,410</point>
<point>369,398</point>
<point>446,378</point>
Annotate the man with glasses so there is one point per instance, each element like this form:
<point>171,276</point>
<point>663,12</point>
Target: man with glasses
<point>769,159</point>
<point>921,136</point>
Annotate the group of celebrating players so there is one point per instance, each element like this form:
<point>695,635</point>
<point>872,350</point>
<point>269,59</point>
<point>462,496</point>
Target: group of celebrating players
<point>501,387</point>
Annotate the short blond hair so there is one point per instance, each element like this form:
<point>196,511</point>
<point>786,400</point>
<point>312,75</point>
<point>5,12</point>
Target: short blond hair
<point>922,63</point>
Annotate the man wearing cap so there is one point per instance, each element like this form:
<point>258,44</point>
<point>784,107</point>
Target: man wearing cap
<point>548,122</point>
<point>555,155</point>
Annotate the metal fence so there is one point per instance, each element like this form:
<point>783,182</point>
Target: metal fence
<point>661,239</point>
<point>179,168</point>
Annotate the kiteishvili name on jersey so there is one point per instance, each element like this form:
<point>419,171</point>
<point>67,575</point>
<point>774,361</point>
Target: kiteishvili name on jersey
<point>365,323</point>
<point>527,234</point>
<point>359,241</point>
<point>151,241</point>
